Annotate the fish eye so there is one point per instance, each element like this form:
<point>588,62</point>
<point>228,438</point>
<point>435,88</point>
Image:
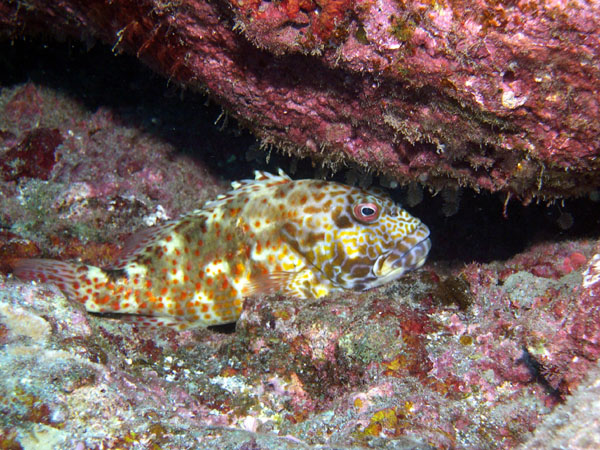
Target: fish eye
<point>366,212</point>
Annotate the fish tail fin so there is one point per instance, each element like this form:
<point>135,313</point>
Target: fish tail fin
<point>88,285</point>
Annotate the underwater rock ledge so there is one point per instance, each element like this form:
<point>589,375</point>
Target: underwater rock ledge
<point>460,354</point>
<point>496,96</point>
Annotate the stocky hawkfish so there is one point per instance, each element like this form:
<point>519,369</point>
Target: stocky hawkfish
<point>302,238</point>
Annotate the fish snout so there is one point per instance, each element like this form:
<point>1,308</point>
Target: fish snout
<point>409,254</point>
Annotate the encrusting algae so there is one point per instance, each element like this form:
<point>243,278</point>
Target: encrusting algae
<point>302,238</point>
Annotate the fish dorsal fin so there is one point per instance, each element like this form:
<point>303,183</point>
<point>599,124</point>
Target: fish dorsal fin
<point>261,175</point>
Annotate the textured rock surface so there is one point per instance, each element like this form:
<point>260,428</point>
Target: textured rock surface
<point>461,354</point>
<point>575,424</point>
<point>467,361</point>
<point>499,96</point>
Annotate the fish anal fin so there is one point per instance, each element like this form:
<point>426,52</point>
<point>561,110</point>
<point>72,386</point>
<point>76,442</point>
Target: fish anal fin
<point>152,322</point>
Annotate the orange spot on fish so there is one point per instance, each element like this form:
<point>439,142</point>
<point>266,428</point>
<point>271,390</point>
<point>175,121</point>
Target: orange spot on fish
<point>238,269</point>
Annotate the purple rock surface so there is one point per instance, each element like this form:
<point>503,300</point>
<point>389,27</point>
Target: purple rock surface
<point>494,95</point>
<point>491,345</point>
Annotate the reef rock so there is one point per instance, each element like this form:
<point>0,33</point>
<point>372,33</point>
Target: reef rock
<point>476,359</point>
<point>477,351</point>
<point>496,95</point>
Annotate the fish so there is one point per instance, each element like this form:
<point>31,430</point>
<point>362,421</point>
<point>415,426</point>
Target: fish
<point>300,238</point>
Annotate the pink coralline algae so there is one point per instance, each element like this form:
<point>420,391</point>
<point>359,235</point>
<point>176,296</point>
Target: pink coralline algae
<point>456,355</point>
<point>390,367</point>
<point>33,157</point>
<point>498,96</point>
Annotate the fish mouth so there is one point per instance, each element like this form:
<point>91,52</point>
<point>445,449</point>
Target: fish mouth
<point>392,265</point>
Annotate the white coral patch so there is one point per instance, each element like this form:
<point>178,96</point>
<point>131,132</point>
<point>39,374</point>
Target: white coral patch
<point>591,275</point>
<point>511,101</point>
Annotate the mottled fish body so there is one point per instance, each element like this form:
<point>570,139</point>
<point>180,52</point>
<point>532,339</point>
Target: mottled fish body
<point>302,238</point>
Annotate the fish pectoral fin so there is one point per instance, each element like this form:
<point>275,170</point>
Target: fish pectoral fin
<point>139,241</point>
<point>271,283</point>
<point>302,284</point>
